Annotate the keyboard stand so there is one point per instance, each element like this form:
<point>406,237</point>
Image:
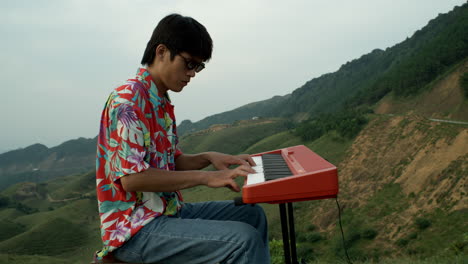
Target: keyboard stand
<point>289,233</point>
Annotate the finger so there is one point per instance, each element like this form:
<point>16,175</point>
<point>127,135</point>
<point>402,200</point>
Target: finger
<point>247,168</point>
<point>244,170</point>
<point>238,161</point>
<point>245,157</point>
<point>233,186</point>
<point>251,161</point>
<point>221,167</point>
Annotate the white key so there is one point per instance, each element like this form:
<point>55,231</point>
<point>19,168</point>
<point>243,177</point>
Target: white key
<point>258,176</point>
<point>258,169</point>
<point>258,160</point>
<point>255,178</point>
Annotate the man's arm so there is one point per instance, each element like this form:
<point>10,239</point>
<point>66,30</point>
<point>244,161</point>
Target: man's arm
<point>188,173</point>
<point>192,161</point>
<point>219,160</point>
<point>156,180</point>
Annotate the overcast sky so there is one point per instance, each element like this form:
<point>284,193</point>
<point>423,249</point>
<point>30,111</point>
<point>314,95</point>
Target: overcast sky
<point>60,59</point>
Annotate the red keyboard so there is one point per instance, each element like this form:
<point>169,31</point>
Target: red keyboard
<point>288,175</point>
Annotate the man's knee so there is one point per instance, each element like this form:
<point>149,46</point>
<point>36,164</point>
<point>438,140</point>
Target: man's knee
<point>256,215</point>
<point>250,242</point>
<point>245,232</point>
<point>258,210</point>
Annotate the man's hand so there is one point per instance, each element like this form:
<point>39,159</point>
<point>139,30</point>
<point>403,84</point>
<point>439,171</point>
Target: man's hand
<point>225,177</point>
<point>222,161</point>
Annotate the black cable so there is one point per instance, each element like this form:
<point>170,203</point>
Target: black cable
<point>342,233</point>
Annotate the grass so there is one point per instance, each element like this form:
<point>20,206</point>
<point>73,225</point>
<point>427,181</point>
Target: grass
<point>10,229</point>
<point>9,214</point>
<point>309,256</point>
<point>451,238</point>
<point>276,141</point>
<point>30,259</point>
<point>52,238</point>
<point>232,140</point>
<point>331,146</point>
<point>67,230</point>
<point>72,186</point>
<point>75,211</point>
<point>388,200</point>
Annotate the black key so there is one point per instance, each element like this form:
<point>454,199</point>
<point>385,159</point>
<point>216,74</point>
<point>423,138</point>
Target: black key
<point>275,167</point>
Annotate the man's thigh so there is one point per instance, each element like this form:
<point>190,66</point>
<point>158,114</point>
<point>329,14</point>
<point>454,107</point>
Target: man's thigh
<point>181,240</point>
<point>225,211</point>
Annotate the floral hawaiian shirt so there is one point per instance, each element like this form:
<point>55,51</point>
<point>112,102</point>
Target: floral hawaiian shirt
<point>138,131</point>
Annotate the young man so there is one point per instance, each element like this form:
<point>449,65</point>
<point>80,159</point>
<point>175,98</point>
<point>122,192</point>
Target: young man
<point>140,169</point>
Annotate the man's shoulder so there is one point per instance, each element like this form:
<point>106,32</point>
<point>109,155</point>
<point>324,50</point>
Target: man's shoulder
<point>132,91</point>
<point>131,86</point>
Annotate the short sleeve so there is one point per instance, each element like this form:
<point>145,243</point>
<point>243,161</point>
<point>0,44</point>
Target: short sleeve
<point>129,154</point>
<point>178,152</point>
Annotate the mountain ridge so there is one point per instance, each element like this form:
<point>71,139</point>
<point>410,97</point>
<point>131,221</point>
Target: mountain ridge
<point>39,163</point>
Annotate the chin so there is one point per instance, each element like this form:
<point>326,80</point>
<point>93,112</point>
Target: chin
<point>177,90</point>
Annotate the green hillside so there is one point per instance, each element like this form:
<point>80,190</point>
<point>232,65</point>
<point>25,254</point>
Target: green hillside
<point>64,227</point>
<point>37,163</point>
<point>235,139</point>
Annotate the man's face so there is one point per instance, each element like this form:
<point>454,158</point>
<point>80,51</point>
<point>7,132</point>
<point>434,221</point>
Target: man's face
<point>175,74</point>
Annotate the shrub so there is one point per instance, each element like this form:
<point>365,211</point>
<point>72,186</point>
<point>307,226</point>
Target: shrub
<point>413,235</point>
<point>402,242</point>
<point>309,237</point>
<point>464,83</point>
<point>314,237</point>
<point>25,209</point>
<point>369,233</point>
<point>305,252</point>
<point>422,223</point>
<point>311,227</point>
<point>4,201</point>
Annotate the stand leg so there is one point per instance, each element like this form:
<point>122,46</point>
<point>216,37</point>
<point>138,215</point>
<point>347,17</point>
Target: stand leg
<point>292,233</point>
<point>284,229</point>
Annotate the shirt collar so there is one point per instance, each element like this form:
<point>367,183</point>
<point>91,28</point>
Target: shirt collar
<point>144,77</point>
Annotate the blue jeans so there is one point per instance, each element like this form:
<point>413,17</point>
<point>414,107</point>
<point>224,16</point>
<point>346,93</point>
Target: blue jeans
<point>209,232</point>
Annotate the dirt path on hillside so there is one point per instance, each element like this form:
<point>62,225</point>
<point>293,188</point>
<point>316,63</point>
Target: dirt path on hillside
<point>50,199</point>
<point>448,121</point>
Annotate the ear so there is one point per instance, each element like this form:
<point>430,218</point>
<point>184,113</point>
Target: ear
<point>160,51</point>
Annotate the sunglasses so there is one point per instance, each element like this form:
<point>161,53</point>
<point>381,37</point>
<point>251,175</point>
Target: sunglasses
<point>191,65</point>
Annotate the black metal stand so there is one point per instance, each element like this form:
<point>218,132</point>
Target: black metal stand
<point>289,233</point>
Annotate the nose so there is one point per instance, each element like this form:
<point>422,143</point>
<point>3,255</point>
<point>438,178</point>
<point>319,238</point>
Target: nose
<point>191,73</point>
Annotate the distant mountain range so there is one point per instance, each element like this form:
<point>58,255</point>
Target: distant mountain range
<point>38,163</point>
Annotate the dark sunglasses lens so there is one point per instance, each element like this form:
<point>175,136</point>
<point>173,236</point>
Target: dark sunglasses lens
<point>193,65</point>
<point>200,67</point>
<point>190,65</point>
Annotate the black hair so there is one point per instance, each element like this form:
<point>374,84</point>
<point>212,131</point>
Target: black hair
<point>179,34</point>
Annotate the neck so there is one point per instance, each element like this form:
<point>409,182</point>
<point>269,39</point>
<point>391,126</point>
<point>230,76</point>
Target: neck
<point>154,72</point>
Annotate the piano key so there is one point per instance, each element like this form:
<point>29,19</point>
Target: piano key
<point>255,178</point>
<point>258,160</point>
<point>274,177</point>
<point>284,173</point>
<point>273,167</point>
<point>285,170</point>
<point>258,169</point>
